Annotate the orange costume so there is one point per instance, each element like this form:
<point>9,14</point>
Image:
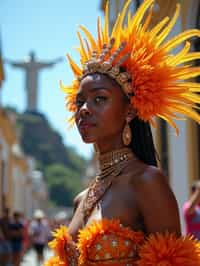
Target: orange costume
<point>107,242</point>
<point>152,77</point>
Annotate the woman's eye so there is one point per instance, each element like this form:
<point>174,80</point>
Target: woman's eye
<point>99,99</point>
<point>79,102</point>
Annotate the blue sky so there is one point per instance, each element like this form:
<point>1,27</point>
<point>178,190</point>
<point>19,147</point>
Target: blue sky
<point>49,29</point>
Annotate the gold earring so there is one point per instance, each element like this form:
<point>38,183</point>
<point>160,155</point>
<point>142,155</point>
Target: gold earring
<point>127,135</point>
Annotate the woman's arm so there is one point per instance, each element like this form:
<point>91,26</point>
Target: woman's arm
<point>77,219</point>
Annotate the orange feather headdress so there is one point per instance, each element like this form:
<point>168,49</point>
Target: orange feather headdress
<point>153,76</point>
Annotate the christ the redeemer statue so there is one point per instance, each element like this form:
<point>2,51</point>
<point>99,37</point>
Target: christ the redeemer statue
<point>32,67</point>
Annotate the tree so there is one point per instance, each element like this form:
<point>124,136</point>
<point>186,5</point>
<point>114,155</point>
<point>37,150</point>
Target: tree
<point>64,183</point>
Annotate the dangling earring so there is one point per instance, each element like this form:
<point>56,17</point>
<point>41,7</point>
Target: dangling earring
<point>127,135</point>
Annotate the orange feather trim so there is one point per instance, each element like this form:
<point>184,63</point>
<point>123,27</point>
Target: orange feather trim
<point>88,235</point>
<point>55,261</point>
<point>169,250</point>
<point>63,245</point>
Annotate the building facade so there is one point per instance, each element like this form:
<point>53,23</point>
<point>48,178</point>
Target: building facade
<point>19,188</point>
<point>7,140</point>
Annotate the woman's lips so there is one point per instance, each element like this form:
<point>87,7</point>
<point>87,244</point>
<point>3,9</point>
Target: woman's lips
<point>85,126</point>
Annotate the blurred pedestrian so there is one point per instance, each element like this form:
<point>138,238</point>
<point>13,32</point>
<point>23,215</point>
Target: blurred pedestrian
<point>16,238</point>
<point>39,232</point>
<point>191,211</point>
<point>26,242</point>
<point>5,248</point>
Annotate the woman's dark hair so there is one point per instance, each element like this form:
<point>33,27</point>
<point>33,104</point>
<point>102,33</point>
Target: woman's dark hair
<point>142,141</point>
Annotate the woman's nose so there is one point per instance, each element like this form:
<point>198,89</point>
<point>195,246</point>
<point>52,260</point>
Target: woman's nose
<point>85,110</point>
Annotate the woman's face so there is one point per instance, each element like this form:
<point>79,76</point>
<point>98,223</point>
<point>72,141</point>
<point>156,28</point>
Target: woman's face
<point>101,110</point>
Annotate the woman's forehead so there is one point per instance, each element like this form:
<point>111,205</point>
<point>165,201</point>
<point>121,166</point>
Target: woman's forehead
<point>97,80</point>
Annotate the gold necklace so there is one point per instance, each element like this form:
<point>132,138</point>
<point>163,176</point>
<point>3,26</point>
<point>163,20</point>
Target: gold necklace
<point>111,165</point>
<point>112,162</point>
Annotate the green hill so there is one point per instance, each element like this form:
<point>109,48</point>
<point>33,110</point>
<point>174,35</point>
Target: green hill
<point>63,168</point>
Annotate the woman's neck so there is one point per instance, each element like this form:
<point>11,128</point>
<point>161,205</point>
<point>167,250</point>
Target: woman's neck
<point>109,146</point>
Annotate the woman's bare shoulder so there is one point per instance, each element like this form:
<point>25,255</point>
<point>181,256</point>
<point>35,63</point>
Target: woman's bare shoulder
<point>153,183</point>
<point>146,175</point>
<point>156,201</point>
<point>152,175</point>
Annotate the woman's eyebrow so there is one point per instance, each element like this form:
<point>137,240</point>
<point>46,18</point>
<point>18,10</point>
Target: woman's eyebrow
<point>93,89</point>
<point>96,88</point>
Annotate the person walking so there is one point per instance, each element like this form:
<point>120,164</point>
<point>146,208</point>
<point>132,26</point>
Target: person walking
<point>16,238</point>
<point>191,211</point>
<point>5,248</point>
<point>39,233</point>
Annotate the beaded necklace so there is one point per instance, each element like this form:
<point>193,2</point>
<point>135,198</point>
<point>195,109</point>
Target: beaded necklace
<point>111,165</point>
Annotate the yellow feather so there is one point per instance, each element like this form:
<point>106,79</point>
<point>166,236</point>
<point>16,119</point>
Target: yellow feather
<point>120,20</point>
<point>88,48</point>
<point>177,99</point>
<point>176,59</point>
<point>148,19</point>
<point>193,97</point>
<point>155,30</point>
<point>66,89</point>
<point>99,34</point>
<point>170,122</point>
<point>195,89</point>
<point>169,27</point>
<point>188,112</point>
<point>62,87</point>
<point>190,85</point>
<point>140,13</point>
<point>115,27</point>
<point>83,53</point>
<point>129,19</point>
<point>106,24</point>
<point>175,41</point>
<point>190,57</point>
<point>123,13</point>
<point>90,37</point>
<point>77,71</point>
<point>174,90</point>
<point>189,72</point>
<point>71,121</point>
<point>166,110</point>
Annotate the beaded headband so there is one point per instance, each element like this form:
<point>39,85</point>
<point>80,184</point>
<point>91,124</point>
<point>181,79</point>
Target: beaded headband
<point>142,63</point>
<point>98,64</point>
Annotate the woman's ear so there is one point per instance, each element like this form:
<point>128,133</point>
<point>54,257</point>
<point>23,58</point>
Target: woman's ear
<point>131,113</point>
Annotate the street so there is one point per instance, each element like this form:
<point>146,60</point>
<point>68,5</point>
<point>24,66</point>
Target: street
<point>30,258</point>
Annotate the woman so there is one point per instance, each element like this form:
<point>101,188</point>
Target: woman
<point>127,78</point>
<point>100,100</point>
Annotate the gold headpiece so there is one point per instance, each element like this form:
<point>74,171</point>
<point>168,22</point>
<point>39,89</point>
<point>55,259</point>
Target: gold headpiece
<point>102,65</point>
<point>139,60</point>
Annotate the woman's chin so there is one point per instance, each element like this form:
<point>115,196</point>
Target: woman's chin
<point>88,139</point>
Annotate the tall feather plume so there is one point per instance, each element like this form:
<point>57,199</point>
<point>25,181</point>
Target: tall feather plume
<point>159,78</point>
